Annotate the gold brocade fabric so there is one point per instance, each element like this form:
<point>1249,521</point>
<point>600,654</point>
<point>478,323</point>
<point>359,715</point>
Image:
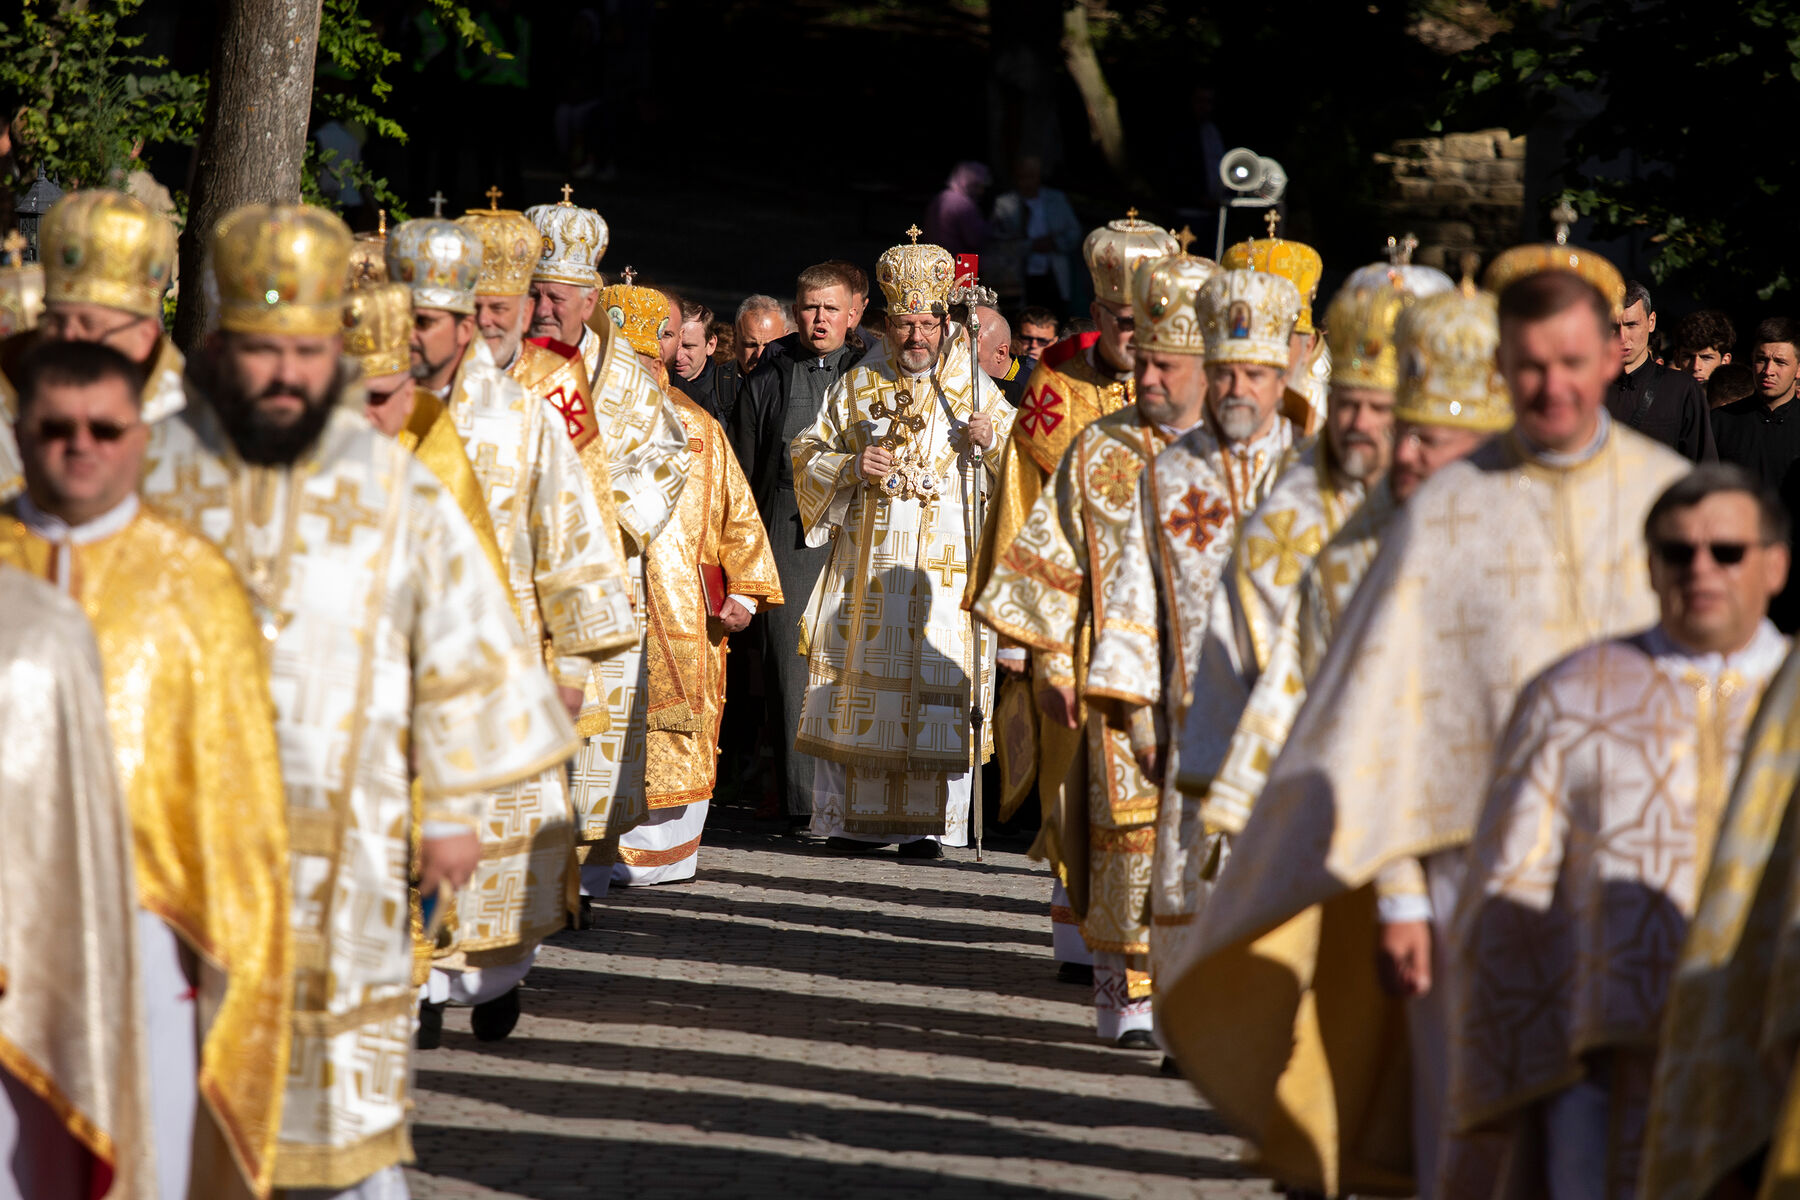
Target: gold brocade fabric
<point>71,1017</point>
<point>562,381</point>
<point>431,436</point>
<point>715,522</point>
<point>187,697</point>
<point>1582,876</point>
<point>1497,567</point>
<point>894,662</point>
<point>393,652</point>
<point>1046,593</point>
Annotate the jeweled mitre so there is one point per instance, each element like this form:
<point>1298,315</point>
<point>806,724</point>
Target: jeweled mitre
<point>1114,250</point>
<point>1164,298</point>
<point>510,249</point>
<point>281,268</point>
<point>571,241</point>
<point>1294,261</point>
<point>105,247</point>
<point>916,279</point>
<point>1449,375</point>
<point>378,320</point>
<point>1359,325</point>
<point>1248,316</point>
<point>641,313</point>
<point>439,260</point>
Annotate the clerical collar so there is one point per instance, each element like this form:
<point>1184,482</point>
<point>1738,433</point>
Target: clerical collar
<point>1176,432</point>
<point>443,393</point>
<point>1761,656</point>
<point>55,529</point>
<point>1102,367</point>
<point>1571,458</point>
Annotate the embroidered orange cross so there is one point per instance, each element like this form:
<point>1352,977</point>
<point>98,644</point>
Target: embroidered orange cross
<point>1198,519</point>
<point>1041,413</point>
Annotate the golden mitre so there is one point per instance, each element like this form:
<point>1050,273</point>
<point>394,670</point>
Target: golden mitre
<point>21,288</point>
<point>368,254</point>
<point>104,247</point>
<point>1295,262</point>
<point>378,321</point>
<point>439,260</point>
<point>1359,325</point>
<point>571,242</point>
<point>1164,300</point>
<point>510,247</point>
<point>916,279</point>
<point>1114,250</point>
<point>1512,265</point>
<point>281,268</point>
<point>641,313</point>
<point>1247,317</point>
<point>1446,345</point>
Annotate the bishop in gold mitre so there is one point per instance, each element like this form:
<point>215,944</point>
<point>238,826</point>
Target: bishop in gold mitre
<point>187,699</point>
<point>713,552</point>
<point>887,474</point>
<point>375,602</point>
<point>105,259</point>
<point>1076,381</point>
<point>75,1113</point>
<point>1499,565</point>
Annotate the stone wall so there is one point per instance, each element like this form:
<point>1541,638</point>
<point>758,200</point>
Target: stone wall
<point>1459,192</point>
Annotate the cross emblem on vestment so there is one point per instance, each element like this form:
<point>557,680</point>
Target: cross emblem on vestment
<point>1289,550</point>
<point>1462,634</point>
<point>567,191</point>
<point>946,564</point>
<point>191,498</point>
<point>1514,571</point>
<point>493,194</point>
<point>1041,413</point>
<point>1198,520</point>
<point>344,511</point>
<point>487,466</point>
<point>1451,520</point>
<point>573,408</point>
<point>437,203</point>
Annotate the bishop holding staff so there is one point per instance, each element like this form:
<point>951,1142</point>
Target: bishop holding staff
<point>891,470</point>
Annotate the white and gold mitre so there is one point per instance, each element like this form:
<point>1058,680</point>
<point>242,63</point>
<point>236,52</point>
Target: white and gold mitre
<point>378,321</point>
<point>571,241</point>
<point>1359,324</point>
<point>510,247</point>
<point>1164,298</point>
<point>368,254</point>
<point>439,260</point>
<point>1446,346</point>
<point>1114,250</point>
<point>104,247</point>
<point>281,268</point>
<point>1247,317</point>
<point>1510,266</point>
<point>21,287</point>
<point>916,279</point>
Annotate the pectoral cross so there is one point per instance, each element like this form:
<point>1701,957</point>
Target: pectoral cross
<point>567,191</point>
<point>437,203</point>
<point>898,417</point>
<point>493,194</point>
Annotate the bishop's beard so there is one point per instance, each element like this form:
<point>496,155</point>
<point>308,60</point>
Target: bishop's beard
<point>262,440</point>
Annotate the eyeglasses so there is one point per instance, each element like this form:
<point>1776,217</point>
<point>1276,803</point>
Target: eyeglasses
<point>64,429</point>
<point>1034,343</point>
<point>1682,554</point>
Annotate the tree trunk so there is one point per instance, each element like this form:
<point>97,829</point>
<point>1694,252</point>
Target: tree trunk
<point>253,141</point>
<point>1102,107</point>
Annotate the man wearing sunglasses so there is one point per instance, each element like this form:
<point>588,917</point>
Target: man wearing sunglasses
<point>1608,790</point>
<point>107,261</point>
<point>187,697</point>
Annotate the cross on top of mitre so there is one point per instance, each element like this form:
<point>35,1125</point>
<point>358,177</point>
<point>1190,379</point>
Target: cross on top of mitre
<point>568,191</point>
<point>913,231</point>
<point>629,274</point>
<point>1272,218</point>
<point>493,195</point>
<point>437,203</point>
<point>1185,237</point>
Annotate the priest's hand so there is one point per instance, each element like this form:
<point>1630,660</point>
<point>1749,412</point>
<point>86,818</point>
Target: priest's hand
<point>1149,761</point>
<point>733,616</point>
<point>1058,704</point>
<point>571,698</point>
<point>874,463</point>
<point>449,860</point>
<point>1403,957</point>
<point>981,430</point>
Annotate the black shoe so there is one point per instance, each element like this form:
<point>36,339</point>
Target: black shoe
<point>924,848</point>
<point>1136,1039</point>
<point>845,845</point>
<point>431,1026</point>
<point>1170,1067</point>
<point>494,1019</point>
<point>1073,972</point>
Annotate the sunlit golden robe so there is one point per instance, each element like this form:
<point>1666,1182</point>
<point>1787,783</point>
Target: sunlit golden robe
<point>894,664</point>
<point>1500,564</point>
<point>641,459</point>
<point>1066,392</point>
<point>166,392</point>
<point>572,595</point>
<point>393,653</point>
<point>715,522</point>
<point>1159,599</point>
<point>68,931</point>
<point>187,698</point>
<point>1608,789</point>
<point>1046,593</point>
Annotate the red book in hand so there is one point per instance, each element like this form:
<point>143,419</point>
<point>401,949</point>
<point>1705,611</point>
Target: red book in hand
<point>712,586</point>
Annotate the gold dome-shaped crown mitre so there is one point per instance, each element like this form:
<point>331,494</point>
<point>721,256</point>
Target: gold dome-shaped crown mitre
<point>1247,317</point>
<point>1359,325</point>
<point>104,247</point>
<point>1446,346</point>
<point>510,249</point>
<point>1510,266</point>
<point>281,268</point>
<point>378,321</point>
<point>1295,262</point>
<point>571,241</point>
<point>1164,299</point>
<point>21,287</point>
<point>439,260</point>
<point>1114,251</point>
<point>916,279</point>
<point>641,313</point>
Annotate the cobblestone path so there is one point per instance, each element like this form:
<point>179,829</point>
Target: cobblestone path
<point>796,1024</point>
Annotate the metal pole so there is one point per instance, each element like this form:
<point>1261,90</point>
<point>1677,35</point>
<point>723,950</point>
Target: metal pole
<point>972,295</point>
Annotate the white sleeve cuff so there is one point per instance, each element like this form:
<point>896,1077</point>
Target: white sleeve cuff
<point>1014,654</point>
<point>444,829</point>
<point>1402,909</point>
<point>749,602</point>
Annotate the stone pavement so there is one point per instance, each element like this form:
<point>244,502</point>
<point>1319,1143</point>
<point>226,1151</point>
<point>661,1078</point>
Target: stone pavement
<point>797,1023</point>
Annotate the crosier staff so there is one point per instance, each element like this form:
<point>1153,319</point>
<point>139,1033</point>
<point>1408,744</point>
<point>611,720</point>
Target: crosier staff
<point>970,293</point>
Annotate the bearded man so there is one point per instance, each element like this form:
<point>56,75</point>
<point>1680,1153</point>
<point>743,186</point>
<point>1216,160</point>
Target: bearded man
<point>885,475</point>
<point>370,591</point>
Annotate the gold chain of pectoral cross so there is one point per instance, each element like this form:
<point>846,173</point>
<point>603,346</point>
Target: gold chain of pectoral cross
<point>1559,525</point>
<point>265,575</point>
<point>909,478</point>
